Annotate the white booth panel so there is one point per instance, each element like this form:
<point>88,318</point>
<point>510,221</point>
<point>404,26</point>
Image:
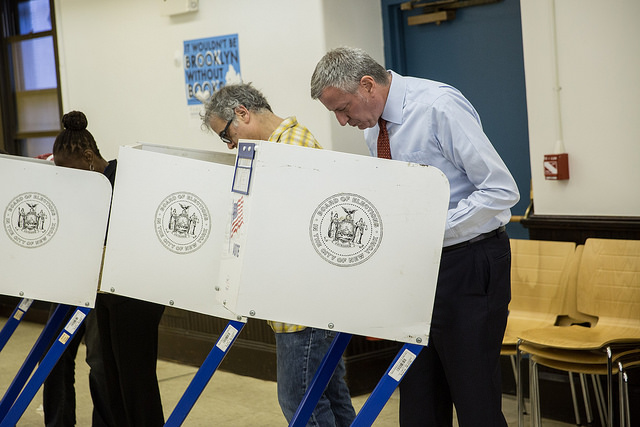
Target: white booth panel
<point>167,226</point>
<point>335,241</point>
<point>54,223</point>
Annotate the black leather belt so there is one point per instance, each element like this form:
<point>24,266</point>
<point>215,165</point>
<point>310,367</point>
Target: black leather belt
<point>482,236</point>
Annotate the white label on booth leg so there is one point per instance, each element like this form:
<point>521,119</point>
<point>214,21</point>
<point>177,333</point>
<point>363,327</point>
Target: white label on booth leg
<point>402,364</point>
<point>75,321</point>
<point>227,338</point>
<point>25,304</point>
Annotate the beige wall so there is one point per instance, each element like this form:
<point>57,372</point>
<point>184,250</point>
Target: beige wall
<point>598,70</point>
<point>121,64</point>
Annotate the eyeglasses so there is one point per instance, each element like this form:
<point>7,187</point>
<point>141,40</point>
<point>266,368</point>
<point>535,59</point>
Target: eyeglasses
<point>223,135</point>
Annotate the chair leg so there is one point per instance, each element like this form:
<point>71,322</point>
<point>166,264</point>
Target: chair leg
<point>534,394</point>
<point>597,389</point>
<point>609,388</point>
<point>621,394</point>
<point>627,416</point>
<point>514,366</point>
<point>623,390</point>
<point>587,399</point>
<point>519,391</point>
<point>576,411</point>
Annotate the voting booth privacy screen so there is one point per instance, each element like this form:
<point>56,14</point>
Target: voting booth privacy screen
<point>167,225</point>
<point>54,221</point>
<point>334,241</point>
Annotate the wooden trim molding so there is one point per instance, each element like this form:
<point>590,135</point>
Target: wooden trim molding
<point>577,229</point>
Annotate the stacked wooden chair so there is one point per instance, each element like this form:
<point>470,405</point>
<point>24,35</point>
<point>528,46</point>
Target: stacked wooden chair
<point>541,274</point>
<point>608,291</point>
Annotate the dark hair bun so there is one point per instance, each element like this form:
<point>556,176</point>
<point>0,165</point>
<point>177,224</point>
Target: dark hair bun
<point>74,120</point>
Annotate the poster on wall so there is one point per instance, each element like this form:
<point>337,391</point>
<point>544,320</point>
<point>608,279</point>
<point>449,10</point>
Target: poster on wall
<point>209,64</point>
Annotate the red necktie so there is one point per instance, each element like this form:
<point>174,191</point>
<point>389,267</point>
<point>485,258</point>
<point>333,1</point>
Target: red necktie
<point>384,151</point>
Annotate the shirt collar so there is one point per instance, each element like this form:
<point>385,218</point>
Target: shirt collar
<point>287,123</point>
<point>395,99</point>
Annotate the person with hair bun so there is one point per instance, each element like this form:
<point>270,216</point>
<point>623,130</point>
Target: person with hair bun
<point>58,394</point>
<point>128,328</point>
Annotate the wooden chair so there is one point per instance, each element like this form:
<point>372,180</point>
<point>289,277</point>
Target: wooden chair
<point>540,272</point>
<point>608,288</point>
<point>540,276</point>
<point>587,364</point>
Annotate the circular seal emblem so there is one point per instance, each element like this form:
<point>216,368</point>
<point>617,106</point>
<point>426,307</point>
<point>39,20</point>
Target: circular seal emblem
<point>182,222</point>
<point>346,229</point>
<point>31,220</point>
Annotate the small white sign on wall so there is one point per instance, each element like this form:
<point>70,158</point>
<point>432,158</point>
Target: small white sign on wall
<point>54,222</point>
<point>167,227</point>
<point>334,241</point>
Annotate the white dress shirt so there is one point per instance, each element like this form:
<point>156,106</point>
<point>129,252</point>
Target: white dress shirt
<point>433,124</point>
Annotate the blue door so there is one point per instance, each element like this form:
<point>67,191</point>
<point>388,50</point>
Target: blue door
<point>480,53</point>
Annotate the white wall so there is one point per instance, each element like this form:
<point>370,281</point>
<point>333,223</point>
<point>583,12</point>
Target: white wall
<point>599,67</point>
<point>353,23</point>
<point>120,63</point>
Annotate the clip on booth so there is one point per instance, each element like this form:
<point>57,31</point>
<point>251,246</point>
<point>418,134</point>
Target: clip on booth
<point>52,217</point>
<point>310,237</point>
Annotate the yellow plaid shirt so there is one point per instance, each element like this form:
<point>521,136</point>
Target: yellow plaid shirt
<point>293,133</point>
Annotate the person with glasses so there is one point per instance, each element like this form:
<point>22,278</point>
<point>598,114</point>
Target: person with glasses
<point>240,111</point>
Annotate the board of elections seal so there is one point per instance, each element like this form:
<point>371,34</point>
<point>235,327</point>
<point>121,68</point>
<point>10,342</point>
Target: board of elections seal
<point>31,220</point>
<point>182,222</point>
<point>346,229</point>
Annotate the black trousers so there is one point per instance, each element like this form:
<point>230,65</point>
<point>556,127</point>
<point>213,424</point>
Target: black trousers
<point>461,364</point>
<point>58,393</point>
<point>129,335</point>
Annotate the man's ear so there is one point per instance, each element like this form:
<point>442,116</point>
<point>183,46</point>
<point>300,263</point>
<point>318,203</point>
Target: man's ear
<point>242,113</point>
<point>367,83</point>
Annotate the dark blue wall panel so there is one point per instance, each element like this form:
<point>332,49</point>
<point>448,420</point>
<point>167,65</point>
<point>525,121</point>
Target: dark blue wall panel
<point>480,53</point>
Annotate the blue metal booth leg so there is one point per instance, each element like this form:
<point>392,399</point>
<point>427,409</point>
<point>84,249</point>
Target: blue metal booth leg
<point>38,349</point>
<point>204,374</point>
<point>320,380</point>
<point>13,321</point>
<point>386,386</point>
<point>46,365</point>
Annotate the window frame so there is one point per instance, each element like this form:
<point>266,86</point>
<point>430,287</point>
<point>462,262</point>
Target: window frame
<point>11,138</point>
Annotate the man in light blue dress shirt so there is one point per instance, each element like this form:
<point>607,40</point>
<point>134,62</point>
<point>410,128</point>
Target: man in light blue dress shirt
<point>432,123</point>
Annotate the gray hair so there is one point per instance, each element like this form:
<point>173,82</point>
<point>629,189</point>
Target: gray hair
<point>223,103</point>
<point>343,68</point>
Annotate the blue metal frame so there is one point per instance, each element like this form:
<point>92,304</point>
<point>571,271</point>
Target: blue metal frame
<point>378,398</point>
<point>38,349</point>
<point>386,386</point>
<point>204,374</point>
<point>15,410</point>
<point>320,380</point>
<point>12,323</point>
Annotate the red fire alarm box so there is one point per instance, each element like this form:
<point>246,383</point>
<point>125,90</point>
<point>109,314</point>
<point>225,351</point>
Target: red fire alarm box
<point>556,166</point>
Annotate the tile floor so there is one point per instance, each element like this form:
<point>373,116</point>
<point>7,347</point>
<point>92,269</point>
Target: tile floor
<point>228,400</point>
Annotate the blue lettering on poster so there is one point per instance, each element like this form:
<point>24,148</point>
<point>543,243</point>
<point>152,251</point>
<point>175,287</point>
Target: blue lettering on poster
<point>210,64</point>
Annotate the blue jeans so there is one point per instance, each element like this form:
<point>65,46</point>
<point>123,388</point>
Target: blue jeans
<point>299,356</point>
